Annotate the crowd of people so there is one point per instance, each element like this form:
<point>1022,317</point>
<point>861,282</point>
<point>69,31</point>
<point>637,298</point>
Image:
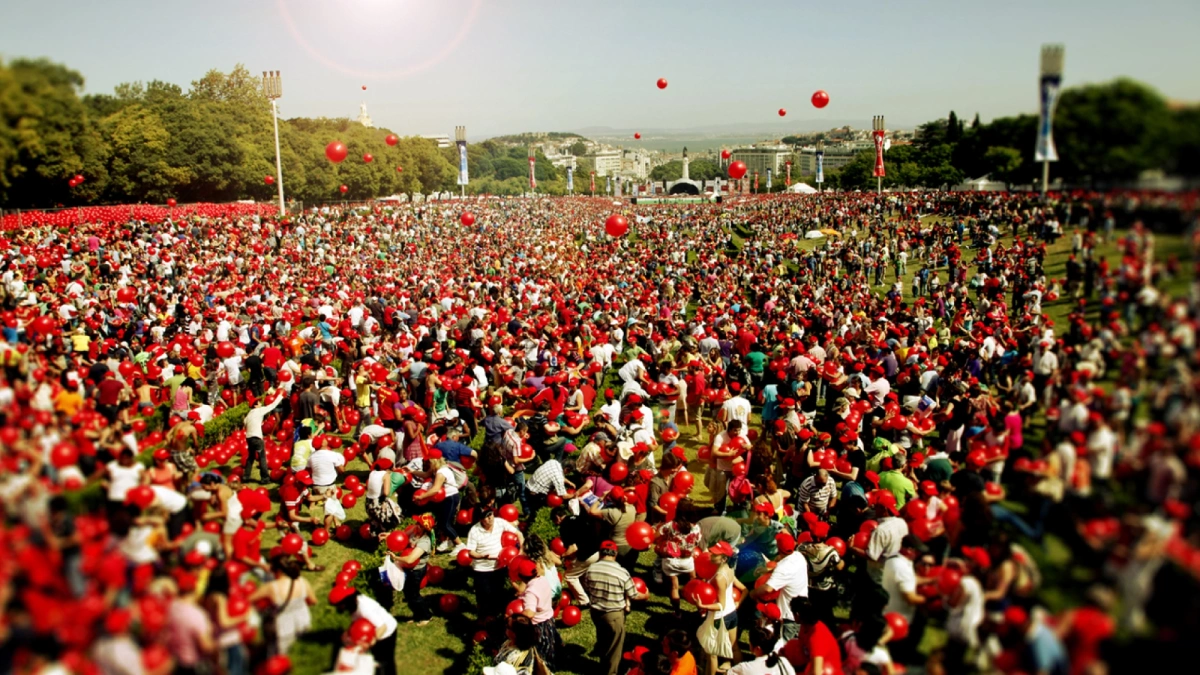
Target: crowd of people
<point>846,455</point>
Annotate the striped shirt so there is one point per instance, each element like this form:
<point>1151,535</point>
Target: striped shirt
<point>823,561</point>
<point>608,585</point>
<point>817,497</point>
<point>547,477</point>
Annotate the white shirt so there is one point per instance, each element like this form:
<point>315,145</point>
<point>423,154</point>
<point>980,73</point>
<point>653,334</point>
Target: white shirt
<point>169,499</point>
<point>737,408</point>
<point>375,484</point>
<point>487,543</point>
<point>899,577</point>
<point>375,613</point>
<point>632,371</point>
<point>963,621</point>
<point>1102,447</point>
<point>121,479</point>
<point>324,464</point>
<point>233,367</point>
<point>254,418</point>
<point>759,667</point>
<point>790,578</point>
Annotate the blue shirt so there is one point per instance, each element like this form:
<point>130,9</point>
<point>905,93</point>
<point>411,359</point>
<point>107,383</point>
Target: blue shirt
<point>770,396</point>
<point>453,451</point>
<point>326,331</point>
<point>1045,653</point>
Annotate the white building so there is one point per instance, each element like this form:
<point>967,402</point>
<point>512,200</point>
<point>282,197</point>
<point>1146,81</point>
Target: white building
<point>836,156</point>
<point>762,157</point>
<point>607,162</point>
<point>363,118</point>
<point>636,164</point>
<point>442,140</point>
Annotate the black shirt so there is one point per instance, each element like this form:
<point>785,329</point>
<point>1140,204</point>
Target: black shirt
<point>582,533</point>
<point>306,407</point>
<point>967,483</point>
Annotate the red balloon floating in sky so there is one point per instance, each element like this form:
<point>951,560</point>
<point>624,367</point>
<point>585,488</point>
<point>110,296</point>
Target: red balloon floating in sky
<point>737,170</point>
<point>616,225</point>
<point>391,139</point>
<point>820,98</point>
<point>782,112</point>
<point>400,168</point>
<point>171,202</point>
<point>726,154</point>
<point>467,218</point>
<point>368,158</point>
<point>268,179</point>
<point>78,178</point>
<point>637,136</point>
<point>336,152</point>
<point>344,189</point>
<point>364,87</point>
<point>662,83</point>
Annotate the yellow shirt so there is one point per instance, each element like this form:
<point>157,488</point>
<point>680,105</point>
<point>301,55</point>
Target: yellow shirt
<point>362,385</point>
<point>68,402</point>
<point>80,342</point>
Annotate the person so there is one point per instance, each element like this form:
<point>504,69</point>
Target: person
<point>616,514</point>
<point>677,647</point>
<point>819,647</point>
<point>818,494</point>
<point>347,600</point>
<point>446,482</point>
<point>788,581</point>
<point>965,614</point>
<point>233,657</point>
<point>534,590</point>
<point>824,562</point>
<point>123,474</point>
<point>900,584</point>
<point>676,541</point>
<point>766,660</point>
<point>722,614</point>
<point>325,465</point>
<point>610,589</point>
<point>415,564</point>
<point>548,479</point>
<point>188,632</point>
<point>519,653</point>
<point>256,449</point>
<point>484,544</point>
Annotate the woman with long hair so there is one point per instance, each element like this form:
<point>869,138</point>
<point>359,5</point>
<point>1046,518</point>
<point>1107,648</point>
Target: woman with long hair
<point>289,596</point>
<point>443,479</point>
<point>229,634</point>
<point>722,614</point>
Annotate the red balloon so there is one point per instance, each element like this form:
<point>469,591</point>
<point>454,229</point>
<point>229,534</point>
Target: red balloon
<point>344,189</point>
<point>336,152</point>
<point>669,502</point>
<point>79,178</point>
<point>553,500</point>
<point>434,575</point>
<point>225,350</point>
<point>279,664</point>
<point>557,545</point>
<point>268,179</point>
<point>699,592</point>
<point>838,545</point>
<point>640,535</point>
<point>860,540</point>
<point>820,99</point>
<point>362,632</point>
<point>155,656</point>
<point>782,112</point>
<point>320,537</point>
<point>464,557</point>
<point>618,471</point>
<point>343,532</point>
<point>949,580</point>
<point>397,541</point>
<point>368,158</point>
<point>391,139</point>
<point>616,225</point>
<point>682,482</point>
<point>704,453</point>
<point>705,567</point>
<point>507,554</point>
<point>571,616</point>
<point>508,539</point>
<point>448,603</point>
<point>662,83</point>
<point>467,218</point>
<point>515,607</point>
<point>639,585</point>
<point>737,170</point>
<point>464,517</point>
<point>898,624</point>
<point>364,87</point>
<point>400,169</point>
<point>868,526</point>
<point>171,202</point>
<point>509,512</point>
<point>292,543</point>
<point>349,500</point>
<point>63,455</point>
<point>141,496</point>
<point>637,136</point>
<point>726,154</point>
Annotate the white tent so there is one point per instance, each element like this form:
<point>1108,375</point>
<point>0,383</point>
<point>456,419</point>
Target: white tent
<point>802,189</point>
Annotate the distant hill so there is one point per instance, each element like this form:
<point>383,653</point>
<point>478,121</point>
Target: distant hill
<point>535,136</point>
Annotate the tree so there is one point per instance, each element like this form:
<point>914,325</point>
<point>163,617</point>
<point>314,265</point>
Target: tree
<point>954,129</point>
<point>579,148</point>
<point>1111,132</point>
<point>1002,162</point>
<point>672,170</point>
<point>975,122</point>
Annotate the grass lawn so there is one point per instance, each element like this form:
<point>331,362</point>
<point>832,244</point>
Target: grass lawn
<point>445,645</point>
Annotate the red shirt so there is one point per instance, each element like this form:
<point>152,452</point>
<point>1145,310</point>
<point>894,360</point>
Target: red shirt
<point>108,392</point>
<point>819,641</point>
<point>247,544</point>
<point>272,358</point>
<point>389,399</point>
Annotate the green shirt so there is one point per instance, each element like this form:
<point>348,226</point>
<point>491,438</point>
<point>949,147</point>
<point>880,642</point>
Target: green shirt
<point>899,485</point>
<point>757,360</point>
<point>938,470</point>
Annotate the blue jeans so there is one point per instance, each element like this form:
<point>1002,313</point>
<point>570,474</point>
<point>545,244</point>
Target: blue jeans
<point>518,486</point>
<point>1035,532</point>
<point>447,514</point>
<point>235,660</point>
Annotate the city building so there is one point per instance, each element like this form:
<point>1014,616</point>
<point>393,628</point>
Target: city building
<point>761,157</point>
<point>442,140</point>
<point>836,156</point>
<point>636,164</point>
<point>607,162</point>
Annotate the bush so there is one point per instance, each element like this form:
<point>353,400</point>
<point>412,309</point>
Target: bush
<point>478,661</point>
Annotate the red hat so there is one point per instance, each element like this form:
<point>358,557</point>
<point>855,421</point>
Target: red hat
<point>765,508</point>
<point>928,488</point>
<point>118,621</point>
<point>819,530</point>
<point>608,546</point>
<point>721,548</point>
<point>977,555</point>
<point>340,593</point>
<point>735,387</point>
<point>304,477</point>
<point>887,500</point>
<point>617,494</point>
<point>770,611</point>
<point>786,542</point>
<point>524,568</point>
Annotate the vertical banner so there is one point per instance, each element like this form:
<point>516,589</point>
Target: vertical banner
<point>593,178</point>
<point>532,179</point>
<point>617,187</point>
<point>462,163</point>
<point>768,180</point>
<point>788,181</point>
<point>1052,62</point>
<point>878,135</point>
<point>570,180</point>
<point>608,184</point>
<point>755,182</point>
<point>821,166</point>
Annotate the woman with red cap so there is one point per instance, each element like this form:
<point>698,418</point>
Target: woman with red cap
<point>722,615</point>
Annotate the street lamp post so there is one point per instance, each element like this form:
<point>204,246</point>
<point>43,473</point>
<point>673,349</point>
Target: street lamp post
<point>273,88</point>
<point>1051,81</point>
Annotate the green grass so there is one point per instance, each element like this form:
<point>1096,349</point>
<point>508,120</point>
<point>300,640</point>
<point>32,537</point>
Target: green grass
<point>446,645</point>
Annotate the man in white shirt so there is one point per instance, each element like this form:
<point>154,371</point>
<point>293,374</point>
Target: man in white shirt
<point>736,408</point>
<point>900,579</point>
<point>324,465</point>
<point>485,542</point>
<point>789,579</point>
<point>256,448</point>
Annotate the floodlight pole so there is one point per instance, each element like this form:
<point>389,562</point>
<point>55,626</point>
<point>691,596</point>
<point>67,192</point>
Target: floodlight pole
<point>273,87</point>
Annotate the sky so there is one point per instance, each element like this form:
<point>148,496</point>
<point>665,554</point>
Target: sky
<point>506,66</point>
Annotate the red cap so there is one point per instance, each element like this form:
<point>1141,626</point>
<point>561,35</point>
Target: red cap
<point>786,542</point>
<point>770,611</point>
<point>340,593</point>
<point>764,508</point>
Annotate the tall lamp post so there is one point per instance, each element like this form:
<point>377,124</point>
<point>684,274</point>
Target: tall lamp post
<point>1051,81</point>
<point>460,139</point>
<point>878,134</point>
<point>273,87</point>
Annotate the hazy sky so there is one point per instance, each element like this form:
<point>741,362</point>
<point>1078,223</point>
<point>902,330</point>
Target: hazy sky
<point>502,66</point>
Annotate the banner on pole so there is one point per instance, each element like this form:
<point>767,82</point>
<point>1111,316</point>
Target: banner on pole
<point>532,179</point>
<point>462,163</point>
<point>788,180</point>
<point>820,166</point>
<point>756,181</point>
<point>1051,83</point>
<point>879,172</point>
<point>593,179</point>
<point>608,184</point>
<point>768,180</point>
<point>570,180</point>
